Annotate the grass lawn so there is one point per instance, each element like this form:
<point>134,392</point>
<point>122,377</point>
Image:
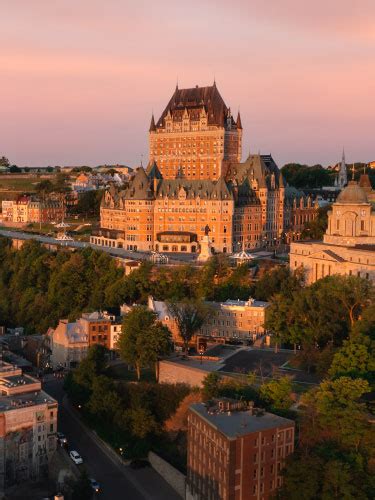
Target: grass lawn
<point>19,184</point>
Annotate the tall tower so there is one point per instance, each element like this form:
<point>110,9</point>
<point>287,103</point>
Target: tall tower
<point>195,134</point>
<point>342,178</point>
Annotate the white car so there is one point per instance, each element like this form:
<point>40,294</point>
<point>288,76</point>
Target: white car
<point>76,457</point>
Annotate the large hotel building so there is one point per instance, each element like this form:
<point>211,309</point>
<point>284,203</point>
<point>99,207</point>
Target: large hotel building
<point>195,178</point>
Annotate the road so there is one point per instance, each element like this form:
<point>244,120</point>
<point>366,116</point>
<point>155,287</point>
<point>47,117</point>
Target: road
<point>115,252</point>
<point>117,482</point>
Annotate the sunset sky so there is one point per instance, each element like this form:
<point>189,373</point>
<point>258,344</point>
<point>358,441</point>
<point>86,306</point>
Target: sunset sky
<point>79,78</point>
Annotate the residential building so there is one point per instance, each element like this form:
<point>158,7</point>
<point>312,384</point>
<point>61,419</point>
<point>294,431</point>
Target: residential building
<point>97,327</point>
<point>27,209</point>
<point>348,246</point>
<point>28,425</point>
<point>69,343</point>
<point>195,182</point>
<point>233,320</point>
<point>235,451</point>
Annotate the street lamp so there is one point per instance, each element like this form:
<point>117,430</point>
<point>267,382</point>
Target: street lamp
<point>201,352</point>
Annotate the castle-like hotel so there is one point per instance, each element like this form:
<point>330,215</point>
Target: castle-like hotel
<point>195,182</point>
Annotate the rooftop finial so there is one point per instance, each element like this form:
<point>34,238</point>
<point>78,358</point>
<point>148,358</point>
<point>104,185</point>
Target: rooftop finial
<point>353,170</point>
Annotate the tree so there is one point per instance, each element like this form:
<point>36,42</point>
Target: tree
<point>143,339</point>
<point>332,402</point>
<point>211,385</point>
<point>4,162</point>
<point>280,320</point>
<point>355,359</point>
<point>296,478</point>
<point>82,489</point>
<point>277,393</point>
<point>305,176</point>
<point>353,293</point>
<point>278,280</point>
<point>339,483</point>
<point>315,229</point>
<point>15,170</point>
<point>190,316</point>
<point>91,366</point>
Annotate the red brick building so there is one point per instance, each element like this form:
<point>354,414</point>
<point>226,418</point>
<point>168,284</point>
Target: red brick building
<point>235,451</point>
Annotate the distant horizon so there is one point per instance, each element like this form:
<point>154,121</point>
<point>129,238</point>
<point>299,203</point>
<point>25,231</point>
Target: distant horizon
<point>80,80</point>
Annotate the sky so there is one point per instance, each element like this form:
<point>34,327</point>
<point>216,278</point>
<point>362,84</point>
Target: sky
<point>80,79</point>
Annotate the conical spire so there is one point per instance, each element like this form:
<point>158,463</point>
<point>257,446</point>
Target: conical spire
<point>152,124</point>
<point>238,121</point>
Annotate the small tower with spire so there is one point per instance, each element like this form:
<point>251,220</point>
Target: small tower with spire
<point>342,178</point>
<point>152,124</point>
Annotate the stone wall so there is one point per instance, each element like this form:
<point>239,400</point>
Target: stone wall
<point>171,475</point>
<point>176,373</point>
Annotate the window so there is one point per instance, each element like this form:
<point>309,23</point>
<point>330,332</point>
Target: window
<point>51,427</point>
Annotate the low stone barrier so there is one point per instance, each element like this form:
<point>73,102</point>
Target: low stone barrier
<point>171,475</point>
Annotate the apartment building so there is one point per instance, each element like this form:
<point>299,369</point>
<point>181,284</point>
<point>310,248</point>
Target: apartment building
<point>28,425</point>
<point>235,451</point>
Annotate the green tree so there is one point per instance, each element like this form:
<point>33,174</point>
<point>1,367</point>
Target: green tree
<point>190,316</point>
<point>339,483</point>
<point>211,386</point>
<point>277,393</point>
<point>302,473</point>
<point>315,230</point>
<point>355,359</point>
<point>143,339</point>
<point>278,280</point>
<point>332,402</point>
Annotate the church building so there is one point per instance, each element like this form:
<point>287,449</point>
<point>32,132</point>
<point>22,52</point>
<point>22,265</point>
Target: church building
<point>348,247</point>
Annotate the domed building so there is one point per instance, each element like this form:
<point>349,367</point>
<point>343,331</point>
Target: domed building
<point>348,247</point>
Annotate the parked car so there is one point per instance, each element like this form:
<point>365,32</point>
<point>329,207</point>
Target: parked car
<point>76,457</point>
<point>94,484</point>
<point>61,439</point>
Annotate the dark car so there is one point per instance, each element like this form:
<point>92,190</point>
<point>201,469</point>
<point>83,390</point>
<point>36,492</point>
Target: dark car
<point>94,484</point>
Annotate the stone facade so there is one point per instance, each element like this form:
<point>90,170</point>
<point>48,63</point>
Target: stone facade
<point>233,320</point>
<point>348,247</point>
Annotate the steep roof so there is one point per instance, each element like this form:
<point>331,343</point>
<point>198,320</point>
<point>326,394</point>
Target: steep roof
<point>193,100</point>
<point>206,189</point>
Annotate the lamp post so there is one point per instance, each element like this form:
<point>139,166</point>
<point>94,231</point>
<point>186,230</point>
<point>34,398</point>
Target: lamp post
<point>201,352</point>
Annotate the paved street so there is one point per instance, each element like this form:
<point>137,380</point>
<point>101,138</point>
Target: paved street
<point>118,482</point>
<point>116,252</point>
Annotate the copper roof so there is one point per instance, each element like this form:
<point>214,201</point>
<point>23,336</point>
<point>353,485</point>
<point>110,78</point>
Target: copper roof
<point>352,194</point>
<point>194,100</point>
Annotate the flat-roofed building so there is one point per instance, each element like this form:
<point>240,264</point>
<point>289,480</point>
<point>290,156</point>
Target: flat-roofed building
<point>28,425</point>
<point>235,451</point>
<point>233,320</point>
